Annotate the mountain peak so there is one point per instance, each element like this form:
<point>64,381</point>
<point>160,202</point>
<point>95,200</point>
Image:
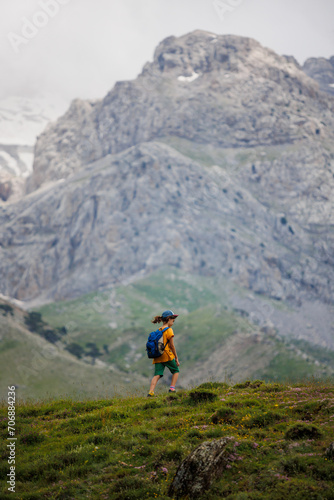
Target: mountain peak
<point>207,52</point>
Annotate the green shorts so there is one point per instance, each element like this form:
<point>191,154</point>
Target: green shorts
<point>160,367</point>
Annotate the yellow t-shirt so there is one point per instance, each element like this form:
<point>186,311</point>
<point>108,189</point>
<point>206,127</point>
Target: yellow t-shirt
<point>167,354</point>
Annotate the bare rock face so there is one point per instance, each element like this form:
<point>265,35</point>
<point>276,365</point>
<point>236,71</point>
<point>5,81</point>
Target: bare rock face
<point>226,90</point>
<point>5,190</point>
<point>330,451</point>
<point>321,70</point>
<point>200,468</point>
<point>222,143</point>
<point>150,206</point>
<point>65,145</point>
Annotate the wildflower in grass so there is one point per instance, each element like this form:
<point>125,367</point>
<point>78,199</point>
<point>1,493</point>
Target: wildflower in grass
<point>279,476</point>
<point>164,470</point>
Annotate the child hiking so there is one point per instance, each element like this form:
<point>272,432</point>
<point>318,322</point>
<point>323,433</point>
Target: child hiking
<point>169,357</point>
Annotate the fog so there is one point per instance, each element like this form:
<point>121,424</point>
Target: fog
<point>80,48</point>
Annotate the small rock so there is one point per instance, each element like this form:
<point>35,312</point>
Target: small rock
<point>200,468</point>
<point>330,451</point>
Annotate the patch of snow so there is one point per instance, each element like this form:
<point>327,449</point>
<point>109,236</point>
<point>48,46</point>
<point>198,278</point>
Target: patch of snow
<point>28,160</point>
<point>11,164</point>
<point>331,84</point>
<point>188,78</point>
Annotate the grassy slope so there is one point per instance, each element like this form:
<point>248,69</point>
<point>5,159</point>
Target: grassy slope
<point>207,327</point>
<point>40,369</point>
<point>130,448</point>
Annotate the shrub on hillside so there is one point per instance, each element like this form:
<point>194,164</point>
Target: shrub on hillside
<point>308,410</point>
<point>223,415</point>
<point>6,309</point>
<point>200,395</point>
<point>303,431</point>
<point>34,322</point>
<point>31,437</point>
<point>75,349</point>
<point>264,419</point>
<point>242,404</point>
<point>213,385</point>
<point>293,465</point>
<point>271,387</point>
<point>50,336</point>
<point>93,350</point>
<point>248,383</point>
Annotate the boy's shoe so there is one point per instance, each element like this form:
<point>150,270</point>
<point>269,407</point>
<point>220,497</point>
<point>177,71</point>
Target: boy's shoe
<point>150,395</point>
<point>171,390</point>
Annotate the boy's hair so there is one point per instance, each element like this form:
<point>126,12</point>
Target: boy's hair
<point>160,319</point>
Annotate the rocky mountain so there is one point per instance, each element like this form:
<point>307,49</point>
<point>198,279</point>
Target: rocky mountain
<point>218,160</point>
<point>226,91</point>
<point>21,120</point>
<point>322,70</point>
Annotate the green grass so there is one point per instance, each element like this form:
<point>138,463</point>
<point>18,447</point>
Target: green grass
<point>131,447</point>
<point>231,159</point>
<point>41,369</point>
<point>285,365</point>
<point>121,318</point>
<point>118,321</point>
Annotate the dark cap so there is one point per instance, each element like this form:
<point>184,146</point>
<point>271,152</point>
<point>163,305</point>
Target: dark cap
<point>168,313</point>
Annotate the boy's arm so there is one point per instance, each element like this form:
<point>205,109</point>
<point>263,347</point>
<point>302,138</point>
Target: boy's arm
<point>172,348</point>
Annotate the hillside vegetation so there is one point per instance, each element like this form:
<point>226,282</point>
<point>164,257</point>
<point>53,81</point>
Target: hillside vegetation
<point>41,369</point>
<point>214,335</point>
<point>130,447</point>
<point>87,347</point>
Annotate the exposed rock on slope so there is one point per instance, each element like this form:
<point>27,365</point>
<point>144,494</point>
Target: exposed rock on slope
<point>322,70</point>
<point>196,473</point>
<point>244,186</point>
<point>227,91</point>
<point>150,206</point>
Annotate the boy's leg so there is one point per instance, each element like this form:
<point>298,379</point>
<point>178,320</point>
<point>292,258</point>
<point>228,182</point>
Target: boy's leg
<point>154,382</point>
<point>175,376</point>
<point>174,369</point>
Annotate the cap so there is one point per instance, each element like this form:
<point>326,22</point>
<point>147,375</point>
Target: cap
<point>168,313</point>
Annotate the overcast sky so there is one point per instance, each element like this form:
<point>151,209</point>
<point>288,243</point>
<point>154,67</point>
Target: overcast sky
<point>82,47</point>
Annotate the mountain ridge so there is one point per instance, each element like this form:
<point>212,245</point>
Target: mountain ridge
<point>157,103</point>
<point>217,160</point>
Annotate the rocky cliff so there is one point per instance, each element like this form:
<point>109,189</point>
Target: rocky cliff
<point>322,70</point>
<point>226,91</point>
<point>218,158</point>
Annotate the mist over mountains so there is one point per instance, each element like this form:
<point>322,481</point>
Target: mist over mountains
<point>218,160</point>
<point>21,121</point>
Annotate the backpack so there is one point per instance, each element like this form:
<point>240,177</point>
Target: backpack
<point>155,345</point>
